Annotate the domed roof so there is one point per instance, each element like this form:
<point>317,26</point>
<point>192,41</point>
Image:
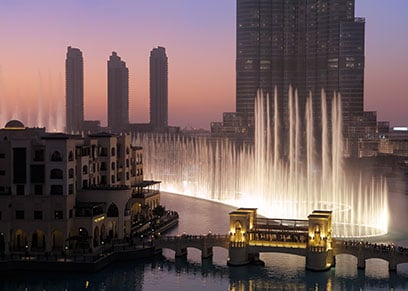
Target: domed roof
<point>14,124</point>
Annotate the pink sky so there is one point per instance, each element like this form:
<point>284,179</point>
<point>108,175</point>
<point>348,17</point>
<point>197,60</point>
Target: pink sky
<point>199,37</point>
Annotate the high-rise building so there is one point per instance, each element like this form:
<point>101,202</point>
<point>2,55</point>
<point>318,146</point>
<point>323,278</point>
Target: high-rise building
<point>310,45</point>
<point>158,89</point>
<point>118,94</point>
<point>74,90</point>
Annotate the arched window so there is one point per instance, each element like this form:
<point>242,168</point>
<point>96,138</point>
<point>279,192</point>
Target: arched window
<point>85,170</point>
<point>56,156</point>
<point>113,166</point>
<point>113,211</point>
<point>113,152</point>
<point>70,156</point>
<point>71,173</point>
<point>56,174</point>
<point>127,150</point>
<point>113,179</point>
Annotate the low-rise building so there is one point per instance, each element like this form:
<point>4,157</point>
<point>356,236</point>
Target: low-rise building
<point>60,191</point>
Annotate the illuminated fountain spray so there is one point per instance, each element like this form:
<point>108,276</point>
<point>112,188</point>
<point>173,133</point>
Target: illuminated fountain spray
<point>260,176</point>
<point>47,111</point>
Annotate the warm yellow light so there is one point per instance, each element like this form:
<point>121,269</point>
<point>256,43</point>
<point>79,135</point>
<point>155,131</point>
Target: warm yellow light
<point>99,219</point>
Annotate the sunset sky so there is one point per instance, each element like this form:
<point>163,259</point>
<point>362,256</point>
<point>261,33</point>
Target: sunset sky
<point>199,37</point>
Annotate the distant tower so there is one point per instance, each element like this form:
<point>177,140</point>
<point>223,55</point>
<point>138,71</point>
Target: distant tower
<point>74,90</point>
<point>118,94</point>
<point>158,89</point>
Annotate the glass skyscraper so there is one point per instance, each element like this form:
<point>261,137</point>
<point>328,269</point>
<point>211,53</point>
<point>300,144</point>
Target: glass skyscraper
<point>307,44</point>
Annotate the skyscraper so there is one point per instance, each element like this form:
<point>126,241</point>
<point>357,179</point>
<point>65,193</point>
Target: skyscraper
<point>74,90</point>
<point>309,44</point>
<point>118,94</point>
<point>158,89</point>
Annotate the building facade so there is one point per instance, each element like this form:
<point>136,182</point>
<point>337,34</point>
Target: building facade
<point>74,90</point>
<point>307,44</point>
<point>158,89</point>
<point>60,191</point>
<point>118,94</point>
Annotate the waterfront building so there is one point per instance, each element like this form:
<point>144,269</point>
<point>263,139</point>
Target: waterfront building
<point>158,89</point>
<point>74,90</point>
<point>60,191</point>
<point>118,94</point>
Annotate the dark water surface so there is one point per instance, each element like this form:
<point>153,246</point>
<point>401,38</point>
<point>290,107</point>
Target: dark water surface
<point>281,272</point>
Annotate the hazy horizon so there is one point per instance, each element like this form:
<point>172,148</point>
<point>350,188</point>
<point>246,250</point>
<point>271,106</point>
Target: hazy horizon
<point>199,37</point>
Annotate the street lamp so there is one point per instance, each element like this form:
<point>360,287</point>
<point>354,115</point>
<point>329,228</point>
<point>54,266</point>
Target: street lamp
<point>65,253</point>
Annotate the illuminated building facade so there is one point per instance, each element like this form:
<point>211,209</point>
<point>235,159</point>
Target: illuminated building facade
<point>64,191</point>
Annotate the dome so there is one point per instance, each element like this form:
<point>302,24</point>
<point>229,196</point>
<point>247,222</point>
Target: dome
<point>14,124</point>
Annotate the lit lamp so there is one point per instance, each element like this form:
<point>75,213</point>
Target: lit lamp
<point>65,253</point>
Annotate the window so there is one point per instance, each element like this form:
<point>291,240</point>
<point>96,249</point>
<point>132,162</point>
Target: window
<point>0,215</point>
<point>85,170</point>
<point>103,166</point>
<point>85,184</point>
<point>38,189</point>
<point>113,179</point>
<point>113,211</point>
<point>20,189</point>
<point>104,152</point>
<point>38,215</point>
<point>56,174</point>
<point>70,156</point>
<point>38,155</point>
<point>70,213</point>
<point>113,152</point>
<point>2,172</point>
<point>56,156</point>
<point>71,173</point>
<point>127,175</point>
<point>56,190</point>
<point>113,166</point>
<point>58,214</point>
<point>2,156</point>
<point>19,214</point>
<point>127,163</point>
<point>71,189</point>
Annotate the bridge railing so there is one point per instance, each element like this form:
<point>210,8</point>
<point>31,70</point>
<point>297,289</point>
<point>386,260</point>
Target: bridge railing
<point>372,247</point>
<point>193,237</point>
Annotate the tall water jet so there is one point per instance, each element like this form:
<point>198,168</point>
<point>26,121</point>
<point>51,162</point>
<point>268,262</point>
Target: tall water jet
<point>261,176</point>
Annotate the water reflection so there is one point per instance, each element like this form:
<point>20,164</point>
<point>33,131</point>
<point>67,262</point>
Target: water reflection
<point>281,272</point>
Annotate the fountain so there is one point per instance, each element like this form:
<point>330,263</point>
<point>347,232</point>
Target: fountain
<point>260,176</point>
<point>35,115</point>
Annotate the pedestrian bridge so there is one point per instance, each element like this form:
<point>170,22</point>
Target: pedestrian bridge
<point>249,236</point>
